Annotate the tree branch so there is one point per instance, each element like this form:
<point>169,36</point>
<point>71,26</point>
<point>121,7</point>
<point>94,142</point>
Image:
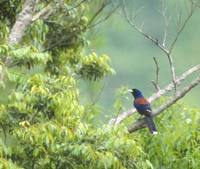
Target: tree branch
<point>131,22</point>
<point>156,83</point>
<point>41,13</point>
<point>156,95</point>
<point>23,21</point>
<point>163,11</point>
<point>77,5</point>
<point>172,69</point>
<point>182,28</point>
<point>106,17</point>
<point>102,7</point>
<point>141,123</point>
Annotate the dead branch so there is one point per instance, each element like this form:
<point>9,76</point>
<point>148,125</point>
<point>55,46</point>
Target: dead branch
<point>156,95</point>
<point>172,68</point>
<point>156,83</point>
<point>146,35</point>
<point>141,123</point>
<point>182,27</point>
<point>163,11</point>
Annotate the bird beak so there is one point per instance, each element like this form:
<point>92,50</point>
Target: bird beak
<point>130,90</point>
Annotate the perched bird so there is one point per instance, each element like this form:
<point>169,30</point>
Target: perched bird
<point>144,108</point>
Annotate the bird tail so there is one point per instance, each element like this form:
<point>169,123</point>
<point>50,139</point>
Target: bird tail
<point>150,124</point>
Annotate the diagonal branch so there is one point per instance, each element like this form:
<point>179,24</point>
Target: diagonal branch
<point>141,123</point>
<point>41,13</point>
<point>23,21</point>
<point>101,8</point>
<point>182,27</point>
<point>77,5</point>
<point>106,17</point>
<point>157,95</point>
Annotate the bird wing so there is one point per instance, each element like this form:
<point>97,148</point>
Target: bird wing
<point>142,106</point>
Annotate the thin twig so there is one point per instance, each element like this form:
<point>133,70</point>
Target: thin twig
<point>102,7</point>
<point>131,22</point>
<point>156,42</point>
<point>157,95</point>
<point>58,43</point>
<point>172,69</point>
<point>97,97</point>
<point>141,123</point>
<point>105,18</point>
<point>182,28</point>
<point>156,83</point>
<point>163,10</point>
<point>77,5</point>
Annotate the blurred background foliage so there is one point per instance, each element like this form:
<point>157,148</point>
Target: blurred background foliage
<point>58,97</point>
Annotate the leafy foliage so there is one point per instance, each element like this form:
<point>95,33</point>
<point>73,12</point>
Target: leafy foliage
<point>177,144</point>
<point>94,67</point>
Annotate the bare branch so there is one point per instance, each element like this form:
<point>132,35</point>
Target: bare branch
<point>105,18</point>
<point>131,22</point>
<point>172,68</point>
<point>182,28</point>
<point>156,83</point>
<point>77,5</point>
<point>157,95</point>
<point>156,42</point>
<point>102,7</point>
<point>141,123</point>
<point>163,10</point>
<point>41,13</point>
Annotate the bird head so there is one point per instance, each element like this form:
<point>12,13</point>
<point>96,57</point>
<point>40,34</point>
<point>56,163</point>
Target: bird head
<point>136,93</point>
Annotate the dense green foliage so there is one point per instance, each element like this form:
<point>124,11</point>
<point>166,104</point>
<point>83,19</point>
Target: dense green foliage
<point>43,122</point>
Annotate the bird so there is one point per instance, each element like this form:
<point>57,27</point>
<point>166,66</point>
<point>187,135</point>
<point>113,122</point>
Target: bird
<point>143,107</point>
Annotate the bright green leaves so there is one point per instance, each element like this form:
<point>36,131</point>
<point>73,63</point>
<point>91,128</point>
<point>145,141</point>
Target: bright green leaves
<point>45,97</point>
<point>28,56</point>
<point>177,143</point>
<point>37,34</point>
<point>7,164</point>
<point>94,67</point>
<point>52,144</point>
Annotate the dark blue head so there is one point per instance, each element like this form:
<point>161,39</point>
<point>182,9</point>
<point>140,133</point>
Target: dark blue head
<point>136,93</point>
